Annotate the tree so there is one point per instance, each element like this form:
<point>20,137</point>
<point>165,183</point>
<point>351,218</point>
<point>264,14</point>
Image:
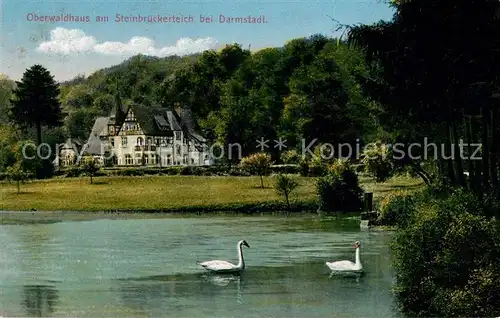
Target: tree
<point>91,167</point>
<point>7,139</point>
<point>284,186</point>
<point>6,87</point>
<point>35,101</point>
<point>431,81</point>
<point>338,190</point>
<point>17,174</point>
<point>317,104</point>
<point>257,164</point>
<point>378,162</point>
<point>104,103</point>
<point>79,123</point>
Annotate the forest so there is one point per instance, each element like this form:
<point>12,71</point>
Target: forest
<point>295,92</point>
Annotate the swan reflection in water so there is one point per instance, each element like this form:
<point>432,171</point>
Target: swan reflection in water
<point>341,274</point>
<point>226,280</point>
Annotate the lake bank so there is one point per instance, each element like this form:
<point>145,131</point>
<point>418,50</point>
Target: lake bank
<point>49,217</point>
<point>173,194</point>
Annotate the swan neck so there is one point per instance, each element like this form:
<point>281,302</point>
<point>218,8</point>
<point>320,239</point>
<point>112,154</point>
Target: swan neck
<point>241,261</point>
<point>357,256</point>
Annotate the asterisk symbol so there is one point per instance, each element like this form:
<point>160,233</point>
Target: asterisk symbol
<point>262,144</point>
<point>280,143</point>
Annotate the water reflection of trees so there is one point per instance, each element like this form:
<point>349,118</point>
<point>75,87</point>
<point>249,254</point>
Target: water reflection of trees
<point>39,300</point>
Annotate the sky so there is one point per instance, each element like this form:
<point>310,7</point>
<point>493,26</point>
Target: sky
<point>66,37</point>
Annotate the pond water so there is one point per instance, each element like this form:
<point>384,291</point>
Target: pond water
<point>148,267</point>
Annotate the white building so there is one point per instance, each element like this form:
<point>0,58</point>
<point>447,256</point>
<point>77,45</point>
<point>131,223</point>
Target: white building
<point>148,136</point>
<point>68,153</point>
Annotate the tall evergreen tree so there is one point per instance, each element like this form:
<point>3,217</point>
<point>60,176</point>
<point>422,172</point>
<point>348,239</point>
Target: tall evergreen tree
<point>35,101</point>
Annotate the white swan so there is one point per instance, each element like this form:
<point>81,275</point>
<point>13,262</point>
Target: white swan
<point>347,266</point>
<point>226,267</point>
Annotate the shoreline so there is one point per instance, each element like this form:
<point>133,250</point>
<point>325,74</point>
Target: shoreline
<point>298,209</point>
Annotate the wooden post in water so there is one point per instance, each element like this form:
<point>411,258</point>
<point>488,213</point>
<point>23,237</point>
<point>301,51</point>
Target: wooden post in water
<point>368,216</point>
<point>369,201</point>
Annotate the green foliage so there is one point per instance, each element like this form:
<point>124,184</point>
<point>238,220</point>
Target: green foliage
<point>377,161</point>
<point>397,208</point>
<point>36,101</point>
<point>285,169</point>
<point>6,87</point>
<point>7,139</point>
<point>339,190</point>
<point>284,186</point>
<point>74,172</point>
<point>79,123</point>
<point>257,164</point>
<point>290,157</point>
<point>447,260</point>
<point>304,167</point>
<point>91,167</point>
<point>317,96</point>
<point>17,174</point>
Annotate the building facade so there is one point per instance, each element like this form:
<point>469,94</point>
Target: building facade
<point>147,136</point>
<point>68,153</point>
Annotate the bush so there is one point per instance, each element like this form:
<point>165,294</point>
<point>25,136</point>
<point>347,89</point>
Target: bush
<point>46,171</point>
<point>339,189</point>
<point>446,261</point>
<point>257,164</point>
<point>378,162</point>
<point>74,172</point>
<point>290,157</point>
<point>284,186</point>
<point>91,167</point>
<point>304,168</point>
<point>397,208</point>
<point>131,172</point>
<point>285,169</point>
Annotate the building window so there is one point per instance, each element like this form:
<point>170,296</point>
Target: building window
<point>112,141</point>
<point>140,141</point>
<point>178,149</point>
<point>178,135</point>
<point>130,116</point>
<point>149,141</point>
<point>124,141</point>
<point>192,161</point>
<point>128,160</point>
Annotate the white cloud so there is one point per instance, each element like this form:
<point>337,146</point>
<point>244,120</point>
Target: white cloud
<point>65,41</point>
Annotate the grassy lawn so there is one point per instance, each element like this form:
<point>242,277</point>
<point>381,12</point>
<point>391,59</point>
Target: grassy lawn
<point>161,192</point>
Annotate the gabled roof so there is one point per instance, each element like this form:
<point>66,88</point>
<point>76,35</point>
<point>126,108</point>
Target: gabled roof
<point>93,146</point>
<point>100,127</point>
<point>94,143</point>
<point>156,120</point>
<point>189,124</point>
